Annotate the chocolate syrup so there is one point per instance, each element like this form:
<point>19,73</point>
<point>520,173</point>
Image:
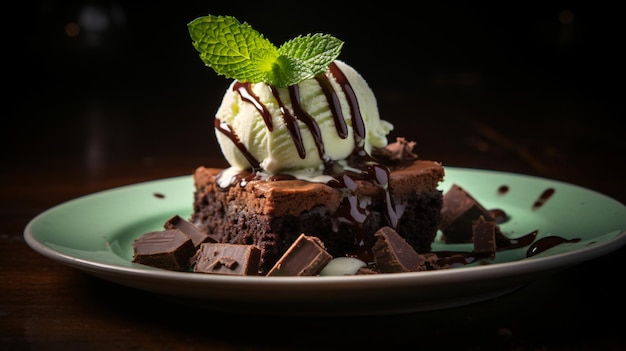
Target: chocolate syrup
<point>246,93</point>
<point>499,215</point>
<point>545,196</point>
<point>358,125</point>
<point>308,120</point>
<point>547,242</point>
<point>456,258</point>
<point>503,189</point>
<point>226,130</point>
<point>460,258</point>
<point>504,243</point>
<point>333,102</point>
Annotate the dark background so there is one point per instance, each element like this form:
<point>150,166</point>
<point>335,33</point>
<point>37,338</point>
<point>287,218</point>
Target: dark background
<point>101,94</point>
<point>449,60</point>
<point>404,46</point>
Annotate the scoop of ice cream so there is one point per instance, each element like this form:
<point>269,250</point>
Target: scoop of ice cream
<point>299,129</point>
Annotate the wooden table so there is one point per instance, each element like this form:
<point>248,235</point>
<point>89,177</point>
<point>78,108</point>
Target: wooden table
<point>92,120</point>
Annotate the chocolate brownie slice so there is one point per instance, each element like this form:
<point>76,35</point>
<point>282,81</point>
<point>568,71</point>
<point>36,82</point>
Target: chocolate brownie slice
<point>272,214</point>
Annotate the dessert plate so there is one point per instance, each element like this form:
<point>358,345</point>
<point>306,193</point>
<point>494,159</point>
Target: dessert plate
<point>94,233</point>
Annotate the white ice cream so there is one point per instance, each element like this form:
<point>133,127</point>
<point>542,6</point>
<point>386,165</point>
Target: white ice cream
<point>275,150</point>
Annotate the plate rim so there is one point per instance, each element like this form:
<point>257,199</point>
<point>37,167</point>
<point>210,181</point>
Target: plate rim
<point>524,269</point>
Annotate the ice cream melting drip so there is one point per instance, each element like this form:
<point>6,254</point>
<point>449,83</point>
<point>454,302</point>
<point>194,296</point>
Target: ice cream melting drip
<point>370,169</point>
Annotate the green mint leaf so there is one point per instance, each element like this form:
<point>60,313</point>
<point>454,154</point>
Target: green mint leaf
<point>231,48</point>
<point>235,50</point>
<point>312,54</point>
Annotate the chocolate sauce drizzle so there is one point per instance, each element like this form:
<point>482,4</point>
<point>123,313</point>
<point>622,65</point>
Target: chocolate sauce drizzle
<point>306,118</point>
<point>546,243</point>
<point>534,247</point>
<point>226,130</point>
<point>245,91</point>
<point>370,169</point>
<point>458,258</point>
<point>543,198</point>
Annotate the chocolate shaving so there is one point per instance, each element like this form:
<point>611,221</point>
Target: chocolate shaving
<point>401,150</point>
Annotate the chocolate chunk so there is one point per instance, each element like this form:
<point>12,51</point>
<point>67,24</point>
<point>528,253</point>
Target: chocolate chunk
<point>197,236</point>
<point>484,236</point>
<point>458,211</point>
<point>392,253</point>
<point>168,249</point>
<point>305,257</point>
<point>232,259</point>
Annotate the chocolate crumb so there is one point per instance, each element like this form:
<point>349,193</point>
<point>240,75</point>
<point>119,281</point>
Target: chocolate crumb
<point>401,150</point>
<point>484,236</point>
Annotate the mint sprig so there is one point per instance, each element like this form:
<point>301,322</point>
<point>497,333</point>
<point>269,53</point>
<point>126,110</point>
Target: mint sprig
<point>237,51</point>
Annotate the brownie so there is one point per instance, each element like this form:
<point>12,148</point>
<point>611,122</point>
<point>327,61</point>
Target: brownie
<point>272,214</point>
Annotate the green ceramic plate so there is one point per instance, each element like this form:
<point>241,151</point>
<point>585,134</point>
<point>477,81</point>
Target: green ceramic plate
<point>94,233</point>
